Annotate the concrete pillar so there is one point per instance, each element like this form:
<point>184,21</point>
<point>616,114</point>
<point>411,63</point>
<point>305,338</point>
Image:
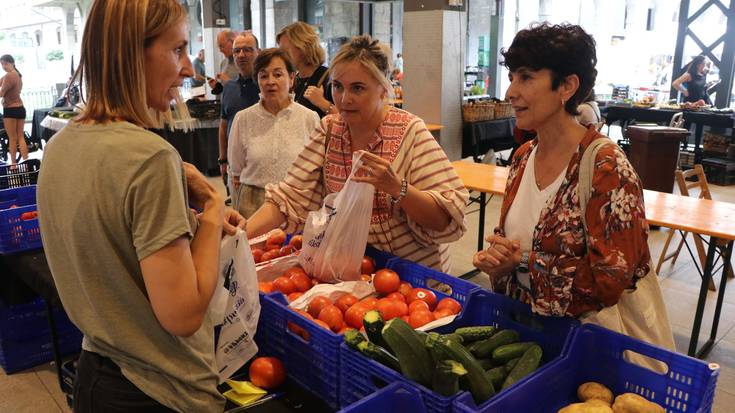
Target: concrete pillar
<point>211,26</point>
<point>433,60</point>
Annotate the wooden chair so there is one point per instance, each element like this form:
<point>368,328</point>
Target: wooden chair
<point>704,193</point>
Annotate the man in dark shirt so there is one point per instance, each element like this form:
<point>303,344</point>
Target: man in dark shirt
<point>237,94</point>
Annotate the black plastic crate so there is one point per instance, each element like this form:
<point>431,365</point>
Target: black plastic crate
<point>719,171</point>
<point>22,174</point>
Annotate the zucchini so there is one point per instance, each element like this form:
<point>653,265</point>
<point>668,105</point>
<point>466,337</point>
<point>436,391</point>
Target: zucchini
<point>454,336</point>
<point>378,354</point>
<point>353,338</point>
<point>373,323</point>
<point>408,346</point>
<point>475,333</point>
<point>486,364</point>
<point>508,352</point>
<point>526,365</point>
<point>510,365</point>
<point>478,382</point>
<point>446,377</point>
<point>484,348</point>
<point>497,375</point>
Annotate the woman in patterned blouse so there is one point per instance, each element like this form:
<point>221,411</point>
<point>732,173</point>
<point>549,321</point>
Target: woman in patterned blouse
<point>419,200</point>
<point>540,252</point>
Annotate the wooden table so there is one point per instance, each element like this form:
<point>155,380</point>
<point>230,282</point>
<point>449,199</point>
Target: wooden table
<point>433,127</point>
<point>702,217</point>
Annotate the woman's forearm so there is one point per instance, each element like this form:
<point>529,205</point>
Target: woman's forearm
<point>205,249</point>
<point>266,218</point>
<point>424,209</point>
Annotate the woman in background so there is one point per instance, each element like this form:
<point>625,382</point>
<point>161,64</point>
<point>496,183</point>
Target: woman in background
<point>693,83</point>
<point>14,114</point>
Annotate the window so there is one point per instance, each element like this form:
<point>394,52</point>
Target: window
<point>478,51</point>
<point>76,34</point>
<point>336,22</point>
<point>39,37</point>
<point>58,35</point>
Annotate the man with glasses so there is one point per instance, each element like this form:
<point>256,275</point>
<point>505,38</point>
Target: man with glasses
<point>238,94</point>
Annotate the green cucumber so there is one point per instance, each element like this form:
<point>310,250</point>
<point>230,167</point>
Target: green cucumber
<point>454,336</point>
<point>353,338</point>
<point>529,362</point>
<point>373,323</point>
<point>510,365</point>
<point>484,348</point>
<point>378,354</point>
<point>486,364</point>
<point>470,334</point>
<point>477,381</point>
<point>408,346</point>
<point>497,375</point>
<point>508,352</point>
<point>446,377</point>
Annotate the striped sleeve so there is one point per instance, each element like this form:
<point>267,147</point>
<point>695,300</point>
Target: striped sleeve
<point>302,190</point>
<point>427,168</point>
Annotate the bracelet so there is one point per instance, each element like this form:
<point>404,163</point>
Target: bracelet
<point>329,109</point>
<point>402,194</point>
<point>222,161</point>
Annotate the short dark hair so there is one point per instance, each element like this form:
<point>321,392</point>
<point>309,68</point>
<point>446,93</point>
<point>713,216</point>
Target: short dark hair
<point>564,49</point>
<point>266,56</point>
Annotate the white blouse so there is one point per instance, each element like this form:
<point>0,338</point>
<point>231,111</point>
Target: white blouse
<point>262,146</point>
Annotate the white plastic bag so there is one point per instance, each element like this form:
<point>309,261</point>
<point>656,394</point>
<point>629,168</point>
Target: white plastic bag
<point>235,305</point>
<point>335,236</point>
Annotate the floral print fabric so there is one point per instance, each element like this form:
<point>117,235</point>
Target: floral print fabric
<point>573,272</point>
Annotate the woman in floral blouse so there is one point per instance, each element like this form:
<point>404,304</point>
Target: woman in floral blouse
<point>540,252</point>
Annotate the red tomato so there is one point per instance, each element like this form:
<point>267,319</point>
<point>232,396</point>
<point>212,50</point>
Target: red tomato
<point>442,312</point>
<point>386,281</point>
<point>370,302</point>
<point>314,282</point>
<point>396,296</point>
<point>405,288</point>
<point>267,372</point>
<point>293,271</point>
<point>418,305</point>
<point>322,324</point>
<point>419,318</point>
<point>367,266</point>
<point>355,314</point>
<point>317,304</point>
<point>293,296</point>
<point>406,318</point>
<point>276,237</point>
<point>269,255</point>
<point>257,255</point>
<point>366,277</point>
<point>424,295</point>
<point>344,329</point>
<point>301,281</point>
<point>333,317</point>
<point>450,304</point>
<point>266,287</point>
<point>27,216</point>
<point>286,250</point>
<point>345,302</point>
<point>298,330</point>
<point>391,309</point>
<point>296,241</point>
<point>272,247</point>
<point>284,285</point>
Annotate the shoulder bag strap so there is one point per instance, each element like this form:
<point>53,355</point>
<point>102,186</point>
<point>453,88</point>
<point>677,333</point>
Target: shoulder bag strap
<point>586,168</point>
<point>321,79</point>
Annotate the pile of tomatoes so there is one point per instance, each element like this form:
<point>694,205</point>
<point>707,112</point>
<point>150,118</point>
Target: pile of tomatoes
<point>396,298</point>
<point>274,247</point>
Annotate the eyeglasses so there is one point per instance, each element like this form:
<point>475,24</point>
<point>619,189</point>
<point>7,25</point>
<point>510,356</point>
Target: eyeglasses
<point>237,50</point>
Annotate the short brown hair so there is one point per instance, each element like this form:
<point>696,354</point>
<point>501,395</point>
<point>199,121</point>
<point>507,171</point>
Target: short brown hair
<point>371,54</point>
<point>266,56</point>
<point>112,61</point>
<point>306,39</point>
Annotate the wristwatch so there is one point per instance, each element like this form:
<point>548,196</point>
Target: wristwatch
<point>222,161</point>
<point>523,265</point>
<point>402,194</point>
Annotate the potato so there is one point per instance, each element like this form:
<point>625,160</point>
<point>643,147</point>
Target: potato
<point>633,403</point>
<point>592,390</point>
<point>593,406</point>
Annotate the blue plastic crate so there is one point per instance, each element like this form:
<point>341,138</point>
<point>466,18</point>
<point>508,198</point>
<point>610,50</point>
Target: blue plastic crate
<point>362,376</point>
<point>441,284</point>
<point>19,197</point>
<point>17,234</point>
<point>29,320</point>
<point>596,354</point>
<point>397,397</point>
<point>20,355</point>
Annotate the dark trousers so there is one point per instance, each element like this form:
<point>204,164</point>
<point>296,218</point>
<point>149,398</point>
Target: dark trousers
<point>101,387</point>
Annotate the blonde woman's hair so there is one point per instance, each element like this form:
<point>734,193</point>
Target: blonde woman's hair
<point>112,62</point>
<point>371,54</point>
<point>304,38</point>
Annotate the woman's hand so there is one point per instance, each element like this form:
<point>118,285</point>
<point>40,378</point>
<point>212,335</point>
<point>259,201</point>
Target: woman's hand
<point>233,221</point>
<point>200,190</point>
<point>378,172</point>
<point>500,258</point>
<point>315,95</point>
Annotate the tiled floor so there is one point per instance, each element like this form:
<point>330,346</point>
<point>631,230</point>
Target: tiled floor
<point>36,390</point>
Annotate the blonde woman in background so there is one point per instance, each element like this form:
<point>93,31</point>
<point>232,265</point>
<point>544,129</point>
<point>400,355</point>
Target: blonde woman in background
<point>135,269</point>
<point>419,201</point>
<point>312,87</point>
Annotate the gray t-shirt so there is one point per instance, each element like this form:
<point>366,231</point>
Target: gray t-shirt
<point>109,196</point>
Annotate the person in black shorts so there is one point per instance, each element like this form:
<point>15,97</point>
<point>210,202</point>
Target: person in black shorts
<point>14,113</point>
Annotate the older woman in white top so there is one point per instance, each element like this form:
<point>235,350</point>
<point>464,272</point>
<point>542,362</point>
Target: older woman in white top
<point>266,138</point>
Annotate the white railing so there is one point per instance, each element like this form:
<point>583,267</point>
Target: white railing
<point>37,98</point>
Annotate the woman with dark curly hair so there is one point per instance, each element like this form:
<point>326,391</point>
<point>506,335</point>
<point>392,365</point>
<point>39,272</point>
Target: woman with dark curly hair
<point>548,250</point>
<point>693,83</point>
